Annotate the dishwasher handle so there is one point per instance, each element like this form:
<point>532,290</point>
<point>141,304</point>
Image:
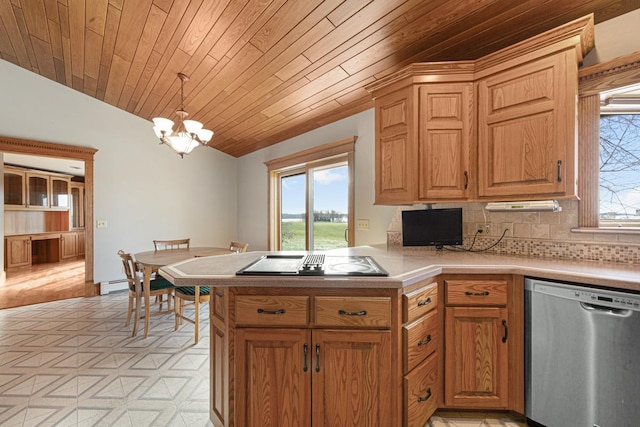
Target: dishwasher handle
<point>596,308</point>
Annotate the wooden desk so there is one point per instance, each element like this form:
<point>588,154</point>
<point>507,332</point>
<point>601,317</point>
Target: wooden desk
<point>152,260</point>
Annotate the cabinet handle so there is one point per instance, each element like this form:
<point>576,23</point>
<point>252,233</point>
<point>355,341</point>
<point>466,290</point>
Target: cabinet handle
<point>352,313</point>
<point>424,399</point>
<point>559,170</point>
<point>506,331</point>
<point>477,294</point>
<point>262,311</point>
<point>305,349</point>
<point>425,341</point>
<point>317,357</point>
<point>466,180</point>
<point>425,302</point>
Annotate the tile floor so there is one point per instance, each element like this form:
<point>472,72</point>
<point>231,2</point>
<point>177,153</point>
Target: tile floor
<point>73,363</point>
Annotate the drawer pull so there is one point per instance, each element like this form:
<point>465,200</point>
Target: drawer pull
<point>477,294</point>
<point>427,397</point>
<point>352,313</point>
<point>425,302</point>
<point>262,311</point>
<point>425,341</point>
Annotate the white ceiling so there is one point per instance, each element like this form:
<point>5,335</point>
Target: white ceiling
<point>54,164</point>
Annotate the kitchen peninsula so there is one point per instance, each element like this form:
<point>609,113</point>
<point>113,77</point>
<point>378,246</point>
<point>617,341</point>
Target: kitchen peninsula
<point>385,351</point>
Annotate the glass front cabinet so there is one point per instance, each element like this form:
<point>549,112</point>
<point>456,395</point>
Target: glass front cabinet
<point>38,190</point>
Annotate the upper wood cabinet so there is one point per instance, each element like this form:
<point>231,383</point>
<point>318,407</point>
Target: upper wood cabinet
<point>28,189</point>
<point>396,167</point>
<point>527,128</point>
<point>77,205</point>
<point>502,127</point>
<point>444,141</point>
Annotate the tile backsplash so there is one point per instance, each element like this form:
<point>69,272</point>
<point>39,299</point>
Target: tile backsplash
<point>536,234</point>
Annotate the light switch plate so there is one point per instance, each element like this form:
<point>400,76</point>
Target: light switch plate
<point>101,223</point>
<point>362,224</point>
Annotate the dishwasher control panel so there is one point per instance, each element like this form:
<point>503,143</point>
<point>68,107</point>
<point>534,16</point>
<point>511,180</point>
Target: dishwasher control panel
<point>606,298</point>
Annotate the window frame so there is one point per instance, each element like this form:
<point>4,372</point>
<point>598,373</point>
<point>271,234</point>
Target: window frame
<point>335,152</point>
<point>618,72</point>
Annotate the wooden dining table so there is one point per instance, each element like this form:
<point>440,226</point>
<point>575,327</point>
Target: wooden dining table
<point>151,261</point>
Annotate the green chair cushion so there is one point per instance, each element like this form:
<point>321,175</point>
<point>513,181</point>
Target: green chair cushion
<point>190,290</point>
<point>157,284</point>
<point>160,283</point>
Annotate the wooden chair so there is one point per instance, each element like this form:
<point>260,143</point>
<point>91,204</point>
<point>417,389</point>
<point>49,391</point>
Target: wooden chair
<point>158,288</point>
<point>171,244</point>
<point>195,295</point>
<point>238,247</point>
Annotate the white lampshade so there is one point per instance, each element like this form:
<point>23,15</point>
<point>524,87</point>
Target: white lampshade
<point>182,144</point>
<point>157,131</point>
<point>192,126</point>
<point>163,125</point>
<point>205,135</point>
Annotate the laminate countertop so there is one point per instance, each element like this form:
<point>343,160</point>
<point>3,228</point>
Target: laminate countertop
<point>406,267</point>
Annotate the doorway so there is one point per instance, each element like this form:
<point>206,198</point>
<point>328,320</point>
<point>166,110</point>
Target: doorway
<point>51,280</point>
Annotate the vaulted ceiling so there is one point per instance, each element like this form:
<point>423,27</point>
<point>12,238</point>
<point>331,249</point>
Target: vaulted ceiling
<point>261,71</point>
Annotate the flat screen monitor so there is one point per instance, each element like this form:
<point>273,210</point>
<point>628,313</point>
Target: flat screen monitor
<point>432,227</point>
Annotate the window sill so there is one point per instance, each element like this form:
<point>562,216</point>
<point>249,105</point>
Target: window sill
<point>607,230</point>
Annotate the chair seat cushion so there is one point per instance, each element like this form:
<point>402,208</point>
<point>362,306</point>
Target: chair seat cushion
<point>190,290</point>
<point>160,283</point>
<point>156,284</point>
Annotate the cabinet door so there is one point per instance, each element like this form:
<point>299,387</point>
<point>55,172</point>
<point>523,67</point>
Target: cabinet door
<point>37,190</point>
<point>476,357</point>
<point>59,192</point>
<point>273,377</point>
<point>351,378</point>
<point>80,242</point>
<point>76,207</point>
<point>18,251</point>
<point>14,185</point>
<point>445,112</point>
<point>396,163</point>
<point>527,129</point>
<point>68,245</point>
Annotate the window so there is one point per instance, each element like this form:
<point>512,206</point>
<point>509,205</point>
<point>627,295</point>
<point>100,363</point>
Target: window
<point>620,170</point>
<point>615,165</point>
<point>311,198</point>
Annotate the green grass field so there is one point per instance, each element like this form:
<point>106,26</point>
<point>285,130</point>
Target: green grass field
<point>327,235</point>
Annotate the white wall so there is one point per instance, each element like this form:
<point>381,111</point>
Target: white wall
<point>616,37</point>
<point>142,189</point>
<point>253,180</point>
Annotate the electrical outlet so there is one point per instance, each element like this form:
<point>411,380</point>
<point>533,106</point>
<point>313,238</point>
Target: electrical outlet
<point>101,223</point>
<point>362,224</point>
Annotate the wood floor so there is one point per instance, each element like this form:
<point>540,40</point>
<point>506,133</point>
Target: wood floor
<point>43,283</point>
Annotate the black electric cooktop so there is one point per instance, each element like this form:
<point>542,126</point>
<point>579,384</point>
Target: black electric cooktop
<point>313,265</point>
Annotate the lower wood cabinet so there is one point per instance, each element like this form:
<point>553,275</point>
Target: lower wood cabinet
<point>309,377</point>
<point>484,342</point>
<point>476,365</point>
<point>68,245</point>
<point>18,251</point>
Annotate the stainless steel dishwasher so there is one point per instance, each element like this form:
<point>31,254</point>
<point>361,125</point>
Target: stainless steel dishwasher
<point>582,356</point>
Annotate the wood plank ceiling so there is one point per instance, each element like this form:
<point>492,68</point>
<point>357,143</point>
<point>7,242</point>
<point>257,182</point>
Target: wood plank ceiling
<point>261,71</point>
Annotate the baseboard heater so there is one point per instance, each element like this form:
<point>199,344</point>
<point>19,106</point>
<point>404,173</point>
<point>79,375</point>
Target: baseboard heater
<point>107,287</point>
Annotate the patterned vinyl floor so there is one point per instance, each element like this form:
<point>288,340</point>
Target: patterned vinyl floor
<point>73,363</point>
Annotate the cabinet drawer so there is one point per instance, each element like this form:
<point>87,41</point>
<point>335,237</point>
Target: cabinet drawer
<point>421,393</point>
<point>476,292</point>
<point>353,312</point>
<point>419,302</point>
<point>267,310</point>
<point>420,339</point>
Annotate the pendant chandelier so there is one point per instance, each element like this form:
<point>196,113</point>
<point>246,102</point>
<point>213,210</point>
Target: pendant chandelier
<point>188,134</point>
